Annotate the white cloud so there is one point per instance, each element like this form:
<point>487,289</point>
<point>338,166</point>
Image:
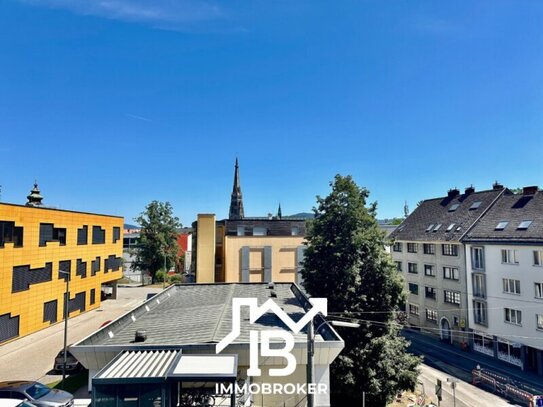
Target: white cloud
<point>153,11</point>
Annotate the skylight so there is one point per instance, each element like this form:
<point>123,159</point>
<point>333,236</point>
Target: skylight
<point>451,226</point>
<point>502,225</point>
<point>459,228</point>
<point>475,205</point>
<point>524,224</point>
<point>429,227</point>
<point>437,227</point>
<point>453,207</point>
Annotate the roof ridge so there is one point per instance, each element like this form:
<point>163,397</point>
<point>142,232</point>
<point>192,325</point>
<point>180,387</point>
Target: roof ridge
<point>219,320</point>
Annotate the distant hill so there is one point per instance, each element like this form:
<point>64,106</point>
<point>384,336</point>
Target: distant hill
<point>129,226</point>
<point>303,215</point>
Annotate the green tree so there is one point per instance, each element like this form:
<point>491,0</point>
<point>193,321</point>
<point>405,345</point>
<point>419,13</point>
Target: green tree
<point>346,263</point>
<point>158,238</point>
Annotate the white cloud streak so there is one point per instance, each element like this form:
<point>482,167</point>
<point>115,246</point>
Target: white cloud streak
<point>174,12</point>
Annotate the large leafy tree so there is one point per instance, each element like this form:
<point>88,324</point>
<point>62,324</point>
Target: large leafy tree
<point>346,262</point>
<point>158,238</point>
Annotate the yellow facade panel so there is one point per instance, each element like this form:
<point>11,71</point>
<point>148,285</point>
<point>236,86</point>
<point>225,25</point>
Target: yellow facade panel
<point>29,275</point>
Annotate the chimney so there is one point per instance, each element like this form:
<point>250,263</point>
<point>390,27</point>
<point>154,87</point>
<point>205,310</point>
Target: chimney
<point>496,185</point>
<point>453,193</point>
<point>531,190</point>
<point>469,190</point>
<point>141,335</point>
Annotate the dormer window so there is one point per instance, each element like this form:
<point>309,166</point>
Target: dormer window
<point>525,224</point>
<point>501,225</point>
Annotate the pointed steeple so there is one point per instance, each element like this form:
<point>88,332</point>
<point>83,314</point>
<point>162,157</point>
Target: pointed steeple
<point>35,198</point>
<point>236,200</point>
<point>279,214</point>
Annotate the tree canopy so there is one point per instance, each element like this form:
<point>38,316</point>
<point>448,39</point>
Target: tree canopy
<point>158,238</point>
<point>346,262</point>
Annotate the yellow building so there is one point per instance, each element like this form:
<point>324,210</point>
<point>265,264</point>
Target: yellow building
<point>243,249</point>
<point>36,243</point>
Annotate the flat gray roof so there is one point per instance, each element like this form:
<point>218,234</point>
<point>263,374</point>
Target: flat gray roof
<point>190,314</point>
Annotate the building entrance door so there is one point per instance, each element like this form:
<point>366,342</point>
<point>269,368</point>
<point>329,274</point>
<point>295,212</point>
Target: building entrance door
<point>445,330</point>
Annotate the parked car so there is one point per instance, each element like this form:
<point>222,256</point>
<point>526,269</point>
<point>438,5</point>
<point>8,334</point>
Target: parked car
<point>72,364</point>
<point>35,393</point>
<point>15,403</point>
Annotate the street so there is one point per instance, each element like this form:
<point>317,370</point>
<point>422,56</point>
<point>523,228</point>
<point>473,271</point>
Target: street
<point>467,395</point>
<point>32,357</point>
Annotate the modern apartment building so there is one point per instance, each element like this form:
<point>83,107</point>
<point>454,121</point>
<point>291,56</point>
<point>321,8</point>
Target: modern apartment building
<point>428,251</point>
<point>38,244</point>
<point>244,249</point>
<point>505,280</point>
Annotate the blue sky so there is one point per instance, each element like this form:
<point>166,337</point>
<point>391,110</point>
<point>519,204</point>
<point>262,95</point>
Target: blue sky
<point>113,103</point>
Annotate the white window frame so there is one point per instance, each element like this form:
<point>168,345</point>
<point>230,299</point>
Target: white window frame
<point>478,258</point>
<point>513,316</point>
<point>432,268</point>
<point>539,322</point>
<point>509,256</point>
<point>538,287</point>
<point>538,258</point>
<point>511,286</point>
<point>453,297</point>
<point>414,309</point>
<point>452,272</point>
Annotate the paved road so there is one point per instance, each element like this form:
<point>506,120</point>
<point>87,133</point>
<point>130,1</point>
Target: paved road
<point>31,357</point>
<point>467,395</point>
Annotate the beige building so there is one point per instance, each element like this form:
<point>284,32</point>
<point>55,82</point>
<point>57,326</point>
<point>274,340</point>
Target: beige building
<point>241,249</point>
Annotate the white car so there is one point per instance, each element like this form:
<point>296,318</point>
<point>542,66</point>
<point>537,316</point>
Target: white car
<point>15,403</point>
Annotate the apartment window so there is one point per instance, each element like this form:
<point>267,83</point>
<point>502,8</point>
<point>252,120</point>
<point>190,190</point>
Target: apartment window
<point>414,289</point>
<point>451,273</point>
<point>260,231</point>
<point>92,296</point>
<point>413,309</point>
<point>538,290</point>
<point>429,270</point>
<point>241,231</point>
<point>9,233</point>
<point>538,257</point>
<point>480,312</point>
<point>525,224</point>
<point>412,268</point>
<point>429,248</point>
<point>513,316</point>
<point>431,315</point>
<point>116,234</point>
<point>398,266</point>
<point>295,231</point>
<point>452,297</point>
<point>397,247</point>
<point>453,207</point>
<point>477,258</point>
<point>98,235</point>
<point>430,292</point>
<point>511,286</point>
<point>539,320</point>
<point>509,256</point>
<point>412,247</point>
<point>49,233</point>
<point>82,235</point>
<point>479,286</point>
<point>449,249</point>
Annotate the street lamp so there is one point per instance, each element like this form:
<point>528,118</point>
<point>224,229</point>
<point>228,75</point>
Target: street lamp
<point>311,351</point>
<point>66,314</point>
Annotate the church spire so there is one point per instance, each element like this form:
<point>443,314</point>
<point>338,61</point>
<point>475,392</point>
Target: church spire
<point>279,213</point>
<point>236,200</point>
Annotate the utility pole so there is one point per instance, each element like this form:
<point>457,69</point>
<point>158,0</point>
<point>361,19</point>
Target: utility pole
<point>453,383</point>
<point>310,357</point>
<point>66,315</point>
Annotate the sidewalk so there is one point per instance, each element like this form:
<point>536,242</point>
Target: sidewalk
<point>467,361</point>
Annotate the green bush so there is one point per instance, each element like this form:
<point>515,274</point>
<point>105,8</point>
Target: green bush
<point>159,276</point>
<point>176,278</point>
